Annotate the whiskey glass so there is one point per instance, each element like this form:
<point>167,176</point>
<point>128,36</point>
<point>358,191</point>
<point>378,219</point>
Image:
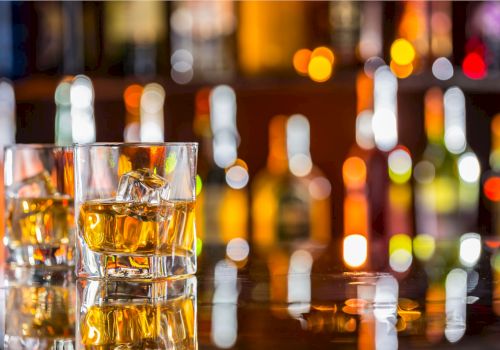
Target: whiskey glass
<point>135,207</point>
<point>127,314</point>
<point>39,209</point>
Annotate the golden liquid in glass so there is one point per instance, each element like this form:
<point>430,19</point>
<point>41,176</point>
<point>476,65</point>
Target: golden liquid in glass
<point>127,228</point>
<point>40,221</point>
<point>166,325</point>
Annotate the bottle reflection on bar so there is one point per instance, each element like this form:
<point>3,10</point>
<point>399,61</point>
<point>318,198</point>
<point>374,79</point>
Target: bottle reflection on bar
<point>39,310</point>
<point>142,315</point>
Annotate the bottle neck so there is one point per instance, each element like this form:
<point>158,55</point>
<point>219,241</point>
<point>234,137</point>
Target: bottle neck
<point>277,161</point>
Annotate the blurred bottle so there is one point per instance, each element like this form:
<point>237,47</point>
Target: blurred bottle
<point>202,41</point>
<point>357,220</point>
<point>290,193</point>
<point>135,36</point>
<point>7,136</point>
<point>222,206</point>
<point>436,180</point>
<point>268,35</point>
<point>491,179</point>
<point>344,17</point>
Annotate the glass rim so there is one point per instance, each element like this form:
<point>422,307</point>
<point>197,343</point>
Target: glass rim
<point>35,146</point>
<point>135,144</point>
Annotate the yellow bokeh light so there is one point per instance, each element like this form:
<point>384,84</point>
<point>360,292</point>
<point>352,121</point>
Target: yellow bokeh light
<point>319,69</point>
<point>301,61</point>
<point>402,52</point>
<point>424,246</point>
<point>401,71</point>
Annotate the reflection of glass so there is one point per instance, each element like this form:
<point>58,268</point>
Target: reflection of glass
<point>137,315</point>
<point>136,209</point>
<point>38,314</point>
<point>39,205</point>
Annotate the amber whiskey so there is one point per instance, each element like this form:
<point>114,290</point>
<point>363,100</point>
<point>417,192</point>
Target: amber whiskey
<point>41,312</point>
<point>143,325</point>
<point>131,228</point>
<point>39,221</point>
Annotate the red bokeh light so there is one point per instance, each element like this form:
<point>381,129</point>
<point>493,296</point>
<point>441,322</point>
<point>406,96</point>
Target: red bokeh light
<point>474,66</point>
<point>492,188</point>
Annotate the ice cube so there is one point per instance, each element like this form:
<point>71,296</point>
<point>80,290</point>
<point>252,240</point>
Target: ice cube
<point>142,186</point>
<point>39,185</point>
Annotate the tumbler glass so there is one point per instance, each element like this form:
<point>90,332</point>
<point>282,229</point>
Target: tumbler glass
<point>135,206</point>
<point>125,314</point>
<point>39,225</point>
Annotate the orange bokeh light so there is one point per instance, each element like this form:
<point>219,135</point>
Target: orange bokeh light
<point>401,71</point>
<point>301,60</point>
<point>354,172</point>
<point>492,188</point>
<point>132,97</point>
<point>325,52</point>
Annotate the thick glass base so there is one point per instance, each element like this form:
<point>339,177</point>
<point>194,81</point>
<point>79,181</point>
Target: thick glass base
<point>57,257</point>
<point>138,267</point>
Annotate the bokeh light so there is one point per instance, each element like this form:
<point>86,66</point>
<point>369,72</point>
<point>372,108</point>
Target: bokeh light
<point>456,294</point>
<point>402,52</point>
<point>364,130</point>
<point>491,188</point>
<point>320,188</point>
<point>400,252</point>
<point>132,97</point>
<point>354,172</point>
<point>469,168</point>
<point>424,246</point>
<point>237,249</point>
<point>400,165</point>
<point>355,250</point>
<point>319,69</point>
<point>454,111</point>
<point>474,66</point>
<point>237,175</point>
<point>323,51</point>
<point>199,184</point>
<point>372,64</point>
<point>301,61</point>
<point>470,249</point>
<point>424,172</point>
<point>442,69</point>
<point>401,71</point>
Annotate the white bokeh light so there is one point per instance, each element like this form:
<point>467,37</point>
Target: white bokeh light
<point>442,68</point>
<point>399,161</point>
<point>237,249</point>
<point>470,249</point>
<point>364,130</point>
<point>237,177</point>
<point>355,250</point>
<point>384,126</point>
<point>469,168</point>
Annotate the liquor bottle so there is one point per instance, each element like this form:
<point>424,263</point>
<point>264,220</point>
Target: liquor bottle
<point>222,206</point>
<point>209,37</point>
<point>284,202</point>
<point>344,17</point>
<point>257,49</point>
<point>7,136</point>
<point>135,36</point>
<point>151,113</point>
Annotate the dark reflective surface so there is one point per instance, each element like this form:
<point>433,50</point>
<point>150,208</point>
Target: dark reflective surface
<point>242,305</point>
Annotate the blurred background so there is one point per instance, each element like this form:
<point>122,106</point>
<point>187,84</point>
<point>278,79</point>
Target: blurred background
<point>315,61</point>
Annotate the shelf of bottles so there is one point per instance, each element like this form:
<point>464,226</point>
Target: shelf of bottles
<point>340,92</point>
